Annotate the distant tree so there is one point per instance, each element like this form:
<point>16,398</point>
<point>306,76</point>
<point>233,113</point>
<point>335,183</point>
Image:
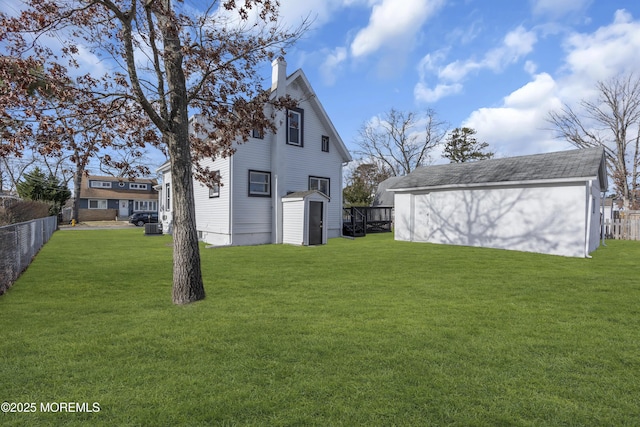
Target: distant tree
<point>611,121</point>
<point>362,184</point>
<point>401,141</point>
<point>461,146</point>
<point>37,186</point>
<point>33,185</point>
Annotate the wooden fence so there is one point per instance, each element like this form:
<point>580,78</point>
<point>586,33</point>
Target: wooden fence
<point>623,228</point>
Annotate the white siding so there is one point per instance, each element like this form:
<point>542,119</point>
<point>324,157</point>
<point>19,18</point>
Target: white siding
<point>595,216</point>
<point>251,215</point>
<point>310,160</point>
<point>213,214</point>
<point>544,219</point>
<point>293,218</point>
<point>165,212</point>
<point>403,214</point>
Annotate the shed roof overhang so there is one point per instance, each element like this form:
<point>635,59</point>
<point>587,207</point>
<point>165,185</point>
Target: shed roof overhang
<point>476,185</point>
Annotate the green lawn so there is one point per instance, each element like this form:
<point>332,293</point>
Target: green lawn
<point>358,332</point>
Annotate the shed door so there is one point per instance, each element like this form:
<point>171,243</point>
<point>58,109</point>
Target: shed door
<point>315,223</point>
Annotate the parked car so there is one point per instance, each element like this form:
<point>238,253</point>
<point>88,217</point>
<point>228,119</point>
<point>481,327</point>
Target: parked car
<point>141,218</point>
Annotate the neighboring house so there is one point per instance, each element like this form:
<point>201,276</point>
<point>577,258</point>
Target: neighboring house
<point>384,198</point>
<point>108,197</point>
<point>546,203</point>
<point>304,154</point>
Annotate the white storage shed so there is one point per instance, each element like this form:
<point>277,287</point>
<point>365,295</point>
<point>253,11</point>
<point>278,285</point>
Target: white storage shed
<point>303,217</point>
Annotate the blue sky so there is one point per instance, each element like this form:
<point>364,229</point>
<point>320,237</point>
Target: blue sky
<point>498,66</point>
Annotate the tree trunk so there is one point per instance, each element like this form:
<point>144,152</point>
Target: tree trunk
<point>187,275</point>
<point>77,187</point>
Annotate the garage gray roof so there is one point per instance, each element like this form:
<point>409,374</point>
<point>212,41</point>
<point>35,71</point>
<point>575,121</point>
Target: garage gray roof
<point>558,166</point>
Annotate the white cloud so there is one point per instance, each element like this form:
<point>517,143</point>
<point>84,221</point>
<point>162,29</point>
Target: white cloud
<point>519,125</point>
<point>515,45</point>
<point>393,24</point>
<point>426,94</point>
<point>601,55</point>
<point>558,8</point>
<point>332,63</point>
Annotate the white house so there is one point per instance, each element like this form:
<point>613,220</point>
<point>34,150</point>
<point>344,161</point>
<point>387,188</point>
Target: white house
<point>546,203</point>
<point>305,153</point>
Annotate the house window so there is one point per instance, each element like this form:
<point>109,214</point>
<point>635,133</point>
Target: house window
<point>97,204</point>
<point>259,183</point>
<point>133,186</point>
<point>320,184</point>
<point>257,133</point>
<point>215,190</point>
<point>167,187</point>
<point>295,127</point>
<point>100,184</point>
<point>325,143</point>
<point>145,205</point>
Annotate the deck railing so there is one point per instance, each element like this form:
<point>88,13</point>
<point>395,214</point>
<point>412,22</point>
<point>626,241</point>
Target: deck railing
<point>359,220</point>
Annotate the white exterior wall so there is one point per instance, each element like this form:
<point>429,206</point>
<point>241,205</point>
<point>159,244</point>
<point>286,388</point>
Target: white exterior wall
<point>595,216</point>
<point>251,215</point>
<point>310,160</point>
<point>293,216</point>
<point>165,213</point>
<point>543,219</point>
<point>213,214</point>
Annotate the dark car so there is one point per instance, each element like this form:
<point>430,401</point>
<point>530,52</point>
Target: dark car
<point>141,218</point>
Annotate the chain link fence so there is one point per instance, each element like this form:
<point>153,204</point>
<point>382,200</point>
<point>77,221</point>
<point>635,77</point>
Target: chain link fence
<point>19,243</point>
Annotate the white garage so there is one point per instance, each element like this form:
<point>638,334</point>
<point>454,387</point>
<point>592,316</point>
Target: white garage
<point>546,203</point>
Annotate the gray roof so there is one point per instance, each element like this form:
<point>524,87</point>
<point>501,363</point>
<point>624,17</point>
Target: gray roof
<point>558,166</point>
<point>303,194</point>
<point>382,196</point>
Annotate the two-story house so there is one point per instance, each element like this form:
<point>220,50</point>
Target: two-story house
<point>282,187</point>
<point>105,198</point>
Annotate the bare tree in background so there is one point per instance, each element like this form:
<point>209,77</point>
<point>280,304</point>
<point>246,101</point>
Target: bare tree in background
<point>612,121</point>
<point>401,141</point>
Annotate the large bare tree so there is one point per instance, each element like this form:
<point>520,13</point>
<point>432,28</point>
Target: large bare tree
<point>611,121</point>
<point>401,141</point>
<point>167,61</point>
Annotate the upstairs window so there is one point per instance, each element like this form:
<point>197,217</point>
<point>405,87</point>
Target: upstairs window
<point>295,127</point>
<point>325,143</point>
<point>100,184</point>
<point>215,190</point>
<point>257,133</point>
<point>259,184</point>
<point>134,186</point>
<point>320,184</point>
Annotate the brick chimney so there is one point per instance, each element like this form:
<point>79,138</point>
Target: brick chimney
<point>278,75</point>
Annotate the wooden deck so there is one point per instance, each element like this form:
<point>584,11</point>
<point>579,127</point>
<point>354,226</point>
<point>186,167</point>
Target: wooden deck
<point>360,220</point>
